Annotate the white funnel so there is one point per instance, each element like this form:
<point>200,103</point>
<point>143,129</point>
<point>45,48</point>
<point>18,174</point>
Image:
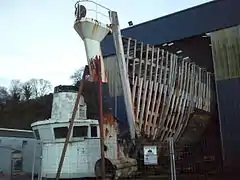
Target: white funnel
<point>92,33</point>
<point>64,98</point>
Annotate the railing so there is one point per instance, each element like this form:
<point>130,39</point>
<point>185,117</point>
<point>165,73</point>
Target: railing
<point>92,10</point>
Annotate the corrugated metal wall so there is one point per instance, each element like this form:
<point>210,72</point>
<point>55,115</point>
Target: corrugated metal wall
<point>226,54</point>
<point>207,17</point>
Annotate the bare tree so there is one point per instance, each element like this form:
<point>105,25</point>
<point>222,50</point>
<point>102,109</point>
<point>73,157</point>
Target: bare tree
<point>77,75</point>
<point>15,90</point>
<point>27,90</point>
<point>39,87</point>
<point>4,95</point>
<point>44,87</point>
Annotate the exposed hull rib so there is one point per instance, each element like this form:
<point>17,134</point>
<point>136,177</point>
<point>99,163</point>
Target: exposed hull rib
<point>166,89</point>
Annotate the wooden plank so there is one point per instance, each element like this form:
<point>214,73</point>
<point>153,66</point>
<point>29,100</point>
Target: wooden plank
<point>200,89</point>
<point>155,87</point>
<point>180,95</point>
<point>157,67</point>
<point>145,82</point>
<point>186,104</point>
<point>150,90</point>
<point>159,99</point>
<point>134,99</point>
<point>144,97</point>
<point>208,92</point>
<point>190,101</point>
<point>171,97</point>
<point>128,51</point>
<point>207,99</point>
<point>195,94</point>
<point>175,101</point>
<point>157,113</point>
<point>176,104</point>
<point>191,92</point>
<point>147,122</point>
<point>134,90</point>
<point>140,63</point>
<point>146,64</point>
<point>204,90</point>
<point>165,85</point>
<point>153,105</point>
<point>151,67</point>
<point>140,83</point>
<point>184,99</point>
<point>134,62</point>
<point>134,78</point>
<point>139,98</point>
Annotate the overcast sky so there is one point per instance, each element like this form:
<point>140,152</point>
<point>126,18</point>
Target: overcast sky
<point>37,38</point>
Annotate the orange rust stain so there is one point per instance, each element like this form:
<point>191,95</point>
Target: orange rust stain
<point>93,69</point>
<point>95,28</point>
<point>106,132</point>
<point>108,119</point>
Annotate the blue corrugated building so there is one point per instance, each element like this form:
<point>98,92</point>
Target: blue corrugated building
<point>204,18</point>
<point>187,29</point>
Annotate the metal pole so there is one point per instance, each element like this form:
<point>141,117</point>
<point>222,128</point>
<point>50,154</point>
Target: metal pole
<point>172,159</point>
<point>69,130</point>
<point>40,162</point>
<point>98,63</point>
<point>34,159</point>
<point>123,72</point>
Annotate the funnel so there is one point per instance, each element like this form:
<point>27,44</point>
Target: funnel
<point>92,33</point>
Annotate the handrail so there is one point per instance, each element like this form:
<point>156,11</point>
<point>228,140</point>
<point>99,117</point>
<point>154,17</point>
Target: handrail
<point>94,10</point>
<point>93,3</point>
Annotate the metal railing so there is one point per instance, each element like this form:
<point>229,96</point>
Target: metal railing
<point>94,10</point>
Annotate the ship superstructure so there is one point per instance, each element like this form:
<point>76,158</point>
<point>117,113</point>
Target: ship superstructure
<point>83,150</point>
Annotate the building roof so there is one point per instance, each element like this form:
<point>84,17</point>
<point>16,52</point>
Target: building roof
<point>17,133</point>
<point>200,19</point>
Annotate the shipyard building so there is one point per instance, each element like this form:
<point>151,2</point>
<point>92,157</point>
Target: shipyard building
<point>19,153</point>
<point>209,35</point>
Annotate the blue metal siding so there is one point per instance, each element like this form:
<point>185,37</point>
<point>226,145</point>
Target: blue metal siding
<point>107,46</point>
<point>229,108</point>
<point>119,111</point>
<point>194,21</point>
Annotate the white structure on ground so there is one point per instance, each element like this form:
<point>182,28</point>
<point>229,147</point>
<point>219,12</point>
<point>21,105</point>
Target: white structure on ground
<point>83,149</point>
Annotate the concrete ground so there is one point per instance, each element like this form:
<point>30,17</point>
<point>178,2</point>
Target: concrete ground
<point>149,177</point>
